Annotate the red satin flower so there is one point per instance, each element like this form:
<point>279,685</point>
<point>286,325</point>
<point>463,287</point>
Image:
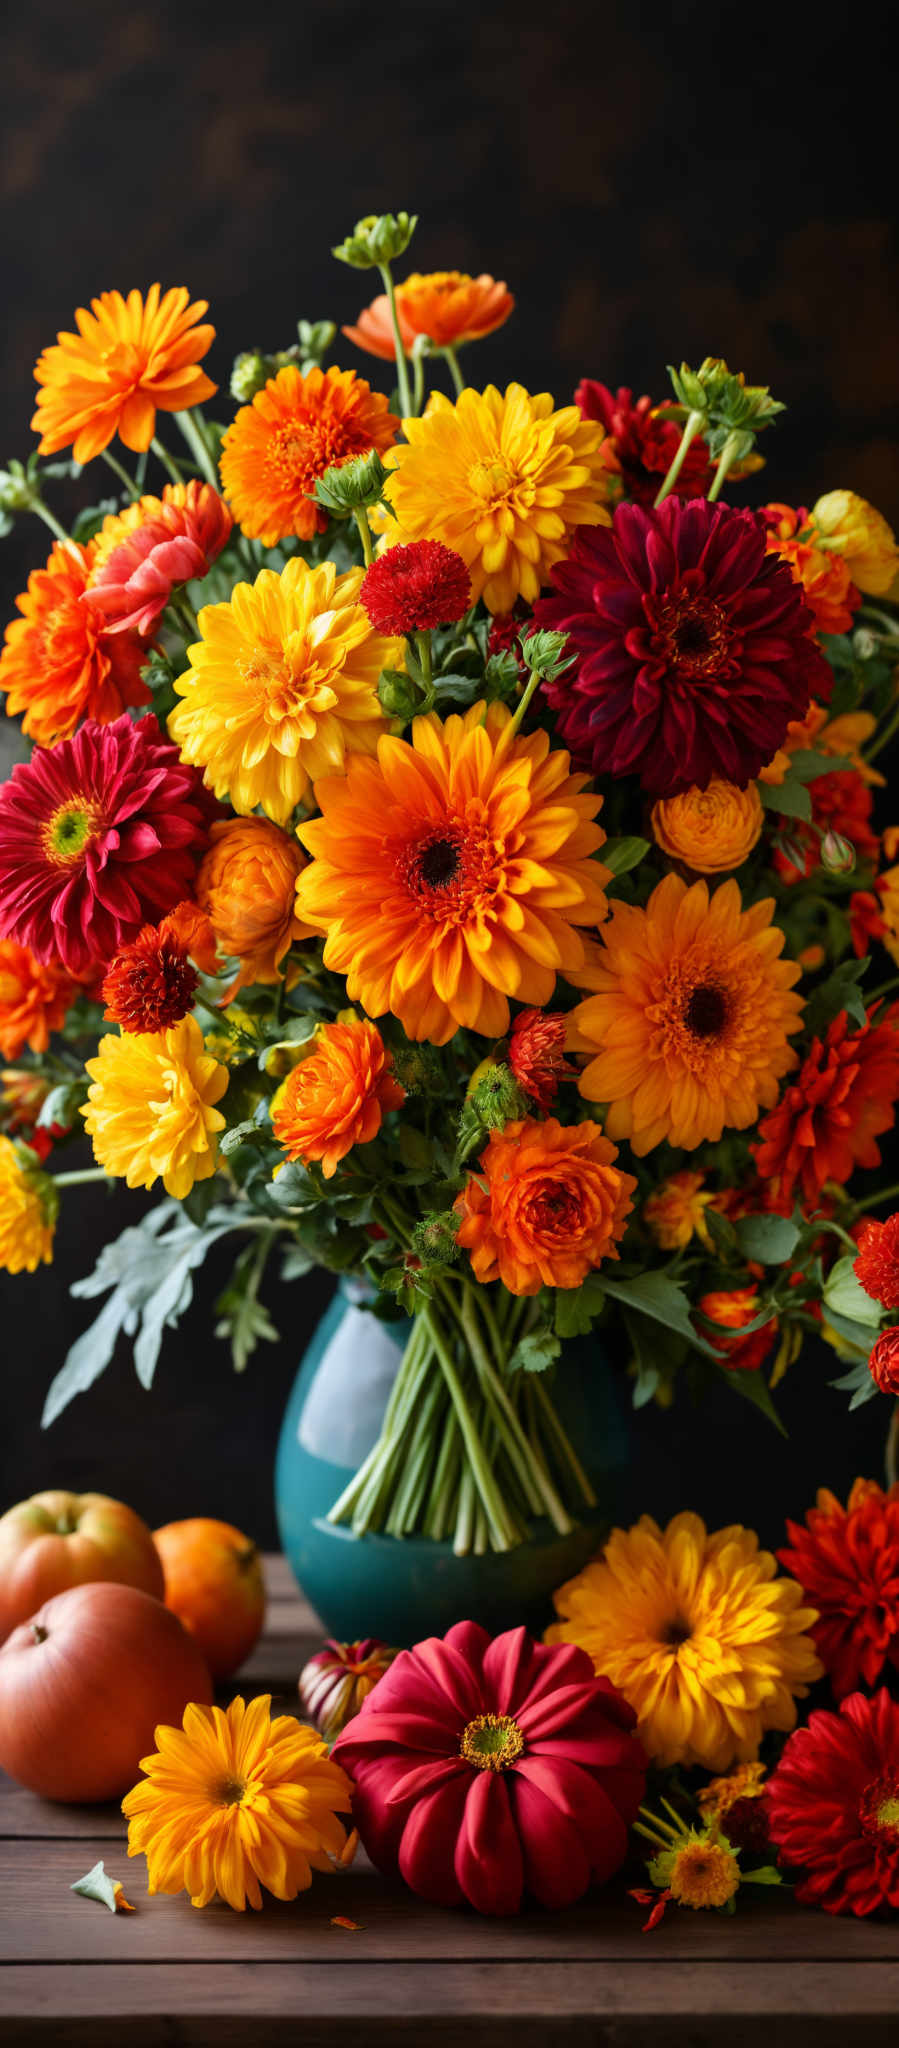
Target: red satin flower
<point>644,443</point>
<point>833,1806</point>
<point>485,1769</point>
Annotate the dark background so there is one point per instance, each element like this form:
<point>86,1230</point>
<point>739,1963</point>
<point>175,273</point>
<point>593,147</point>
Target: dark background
<point>653,183</point>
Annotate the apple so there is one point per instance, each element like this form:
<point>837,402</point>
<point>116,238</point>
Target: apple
<point>57,1540</point>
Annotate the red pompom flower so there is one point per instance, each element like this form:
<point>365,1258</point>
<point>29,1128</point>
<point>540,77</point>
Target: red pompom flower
<point>846,1560</point>
<point>884,1362</point>
<point>877,1265</point>
<point>537,1054</point>
<point>644,442</point>
<point>833,1806</point>
<point>411,588</point>
<point>485,1769</point>
<point>693,646</point>
<point>151,983</point>
<point>96,836</point>
<point>830,1116</point>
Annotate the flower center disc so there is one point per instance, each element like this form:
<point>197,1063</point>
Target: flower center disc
<point>491,1742</point>
<point>230,1792</point>
<point>67,833</point>
<point>706,1011</point>
<point>879,1807</point>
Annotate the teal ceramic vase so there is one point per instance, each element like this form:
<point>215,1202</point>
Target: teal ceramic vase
<point>402,1589</point>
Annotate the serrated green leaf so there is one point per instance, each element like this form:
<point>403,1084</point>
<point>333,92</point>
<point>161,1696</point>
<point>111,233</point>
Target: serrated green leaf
<point>655,1294</point>
<point>841,991</point>
<point>574,1312</point>
<point>535,1352</point>
<point>771,1240</point>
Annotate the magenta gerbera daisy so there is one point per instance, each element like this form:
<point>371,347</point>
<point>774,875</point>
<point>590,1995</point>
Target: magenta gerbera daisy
<point>693,645</point>
<point>98,836</point>
<point>833,1806</point>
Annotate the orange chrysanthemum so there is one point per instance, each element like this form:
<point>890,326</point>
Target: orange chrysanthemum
<point>336,1097</point>
<point>447,305</point>
<point>130,358</point>
<point>547,1206</point>
<point>675,1212</point>
<point>709,830</point>
<point>826,578</point>
<point>295,429</point>
<point>691,1017</point>
<point>451,873</point>
<point>246,885</point>
<point>830,1117</point>
<point>58,663</point>
<point>33,1000</point>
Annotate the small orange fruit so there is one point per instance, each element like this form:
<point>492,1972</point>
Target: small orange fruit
<point>214,1583</point>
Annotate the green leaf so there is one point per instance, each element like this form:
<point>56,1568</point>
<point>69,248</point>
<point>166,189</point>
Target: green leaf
<point>766,1874</point>
<point>243,1318</point>
<point>753,1388</point>
<point>535,1352</point>
<point>62,1104</point>
<point>790,798</point>
<point>655,1294</point>
<point>771,1240</point>
<point>648,1375</point>
<point>845,1296</point>
<point>841,991</point>
<point>574,1312</point>
<point>96,1885</point>
<point>623,854</point>
<point>859,1336</point>
<point>806,765</point>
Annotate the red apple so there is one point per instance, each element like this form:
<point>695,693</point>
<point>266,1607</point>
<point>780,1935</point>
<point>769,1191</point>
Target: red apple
<point>58,1540</point>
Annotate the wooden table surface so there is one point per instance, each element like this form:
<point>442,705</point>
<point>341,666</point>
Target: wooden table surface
<point>75,1973</point>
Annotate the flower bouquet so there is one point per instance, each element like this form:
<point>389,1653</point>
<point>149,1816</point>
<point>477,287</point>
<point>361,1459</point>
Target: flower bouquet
<point>446,855</point>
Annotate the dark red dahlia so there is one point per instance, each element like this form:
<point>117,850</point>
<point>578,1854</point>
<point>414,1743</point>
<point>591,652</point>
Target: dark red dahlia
<point>97,835</point>
<point>414,587</point>
<point>483,1770</point>
<point>693,646</point>
<point>877,1265</point>
<point>846,1560</point>
<point>833,1806</point>
<point>644,443</point>
<point>151,983</point>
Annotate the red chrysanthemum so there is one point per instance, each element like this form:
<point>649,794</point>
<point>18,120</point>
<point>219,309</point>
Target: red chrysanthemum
<point>644,443</point>
<point>96,836</point>
<point>537,1054</point>
<point>412,588</point>
<point>178,536</point>
<point>884,1362</point>
<point>847,1561</point>
<point>730,1309</point>
<point>841,802</point>
<point>151,983</point>
<point>693,646</point>
<point>829,1118</point>
<point>833,1806</point>
<point>483,1770</point>
<point>877,1265</point>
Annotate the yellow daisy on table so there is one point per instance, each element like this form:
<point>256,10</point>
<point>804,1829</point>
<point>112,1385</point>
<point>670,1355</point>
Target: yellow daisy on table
<point>150,1110</point>
<point>28,1206</point>
<point>503,479</point>
<point>696,1629</point>
<point>282,687</point>
<point>234,1800</point>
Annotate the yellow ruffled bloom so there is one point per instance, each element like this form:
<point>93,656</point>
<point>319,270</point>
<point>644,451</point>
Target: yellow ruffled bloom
<point>502,478</point>
<point>855,530</point>
<point>28,1205</point>
<point>711,831</point>
<point>150,1108</point>
<point>235,1800</point>
<point>697,1630</point>
<point>281,687</point>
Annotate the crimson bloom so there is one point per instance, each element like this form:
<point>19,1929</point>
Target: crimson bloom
<point>877,1264</point>
<point>833,1806</point>
<point>151,984</point>
<point>846,1560</point>
<point>180,537</point>
<point>644,442</point>
<point>97,836</point>
<point>693,645</point>
<point>537,1054</point>
<point>884,1362</point>
<point>411,588</point>
<point>485,1769</point>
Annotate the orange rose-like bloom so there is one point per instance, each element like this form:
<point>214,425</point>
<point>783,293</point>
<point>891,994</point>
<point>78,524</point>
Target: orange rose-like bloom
<point>450,874</point>
<point>246,885</point>
<point>337,1096</point>
<point>731,1309</point>
<point>144,552</point>
<point>33,1000</point>
<point>711,830</point>
<point>130,358</point>
<point>825,578</point>
<point>295,429</point>
<point>547,1206</point>
<point>59,665</point>
<point>447,305</point>
<point>675,1212</point>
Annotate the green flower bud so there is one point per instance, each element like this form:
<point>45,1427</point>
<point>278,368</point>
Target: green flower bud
<point>837,854</point>
<point>17,493</point>
<point>496,1098</point>
<point>397,694</point>
<point>544,654</point>
<point>376,239</point>
<point>419,1069</point>
<point>248,375</point>
<point>725,400</point>
<point>316,337</point>
<point>347,486</point>
<point>434,1238</point>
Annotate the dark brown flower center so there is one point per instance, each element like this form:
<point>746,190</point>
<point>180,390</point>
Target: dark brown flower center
<point>691,633</point>
<point>438,863</point>
<point>491,1742</point>
<point>706,1010</point>
<point>675,1631</point>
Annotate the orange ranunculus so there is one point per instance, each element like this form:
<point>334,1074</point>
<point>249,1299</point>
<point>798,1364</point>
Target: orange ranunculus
<point>675,1211</point>
<point>547,1205</point>
<point>730,1309</point>
<point>33,1000</point>
<point>826,578</point>
<point>854,529</point>
<point>59,665</point>
<point>246,885</point>
<point>336,1097</point>
<point>447,305</point>
<point>297,427</point>
<point>130,358</point>
<point>710,830</point>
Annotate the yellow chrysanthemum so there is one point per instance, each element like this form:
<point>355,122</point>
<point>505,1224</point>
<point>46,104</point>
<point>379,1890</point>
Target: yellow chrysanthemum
<point>702,1872</point>
<point>28,1204</point>
<point>281,687</point>
<point>503,479</point>
<point>234,1800</point>
<point>698,1632</point>
<point>150,1108</point>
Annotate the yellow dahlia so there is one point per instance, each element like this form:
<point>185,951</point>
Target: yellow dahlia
<point>451,872</point>
<point>281,687</point>
<point>28,1205</point>
<point>150,1108</point>
<point>705,1641</point>
<point>691,1017</point>
<point>504,480</point>
<point>234,1800</point>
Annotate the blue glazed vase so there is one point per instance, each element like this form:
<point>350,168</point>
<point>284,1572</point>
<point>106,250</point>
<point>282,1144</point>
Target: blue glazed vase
<point>404,1588</point>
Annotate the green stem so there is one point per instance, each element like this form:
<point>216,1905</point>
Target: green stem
<point>884,737</point>
<point>531,685</point>
<point>501,1534</point>
<point>692,425</point>
<point>873,995</point>
<point>726,460</point>
<point>402,367</point>
<point>873,1201</point>
<point>454,369</point>
<point>533,1476</point>
<point>884,619</point>
<point>423,650</point>
<point>49,518</point>
<point>189,423</point>
<point>364,534</point>
<point>121,472</point>
<point>74,1180</point>
<point>418,371</point>
<point>168,461</point>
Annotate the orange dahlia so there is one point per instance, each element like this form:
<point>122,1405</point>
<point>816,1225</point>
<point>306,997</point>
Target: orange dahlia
<point>546,1207</point>
<point>829,1118</point>
<point>336,1097</point>
<point>150,984</point>
<point>58,663</point>
<point>675,1212</point>
<point>826,579</point>
<point>34,998</point>
<point>690,1022</point>
<point>710,830</point>
<point>130,358</point>
<point>451,873</point>
<point>730,1309</point>
<point>297,427</point>
<point>246,885</point>
<point>447,305</point>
